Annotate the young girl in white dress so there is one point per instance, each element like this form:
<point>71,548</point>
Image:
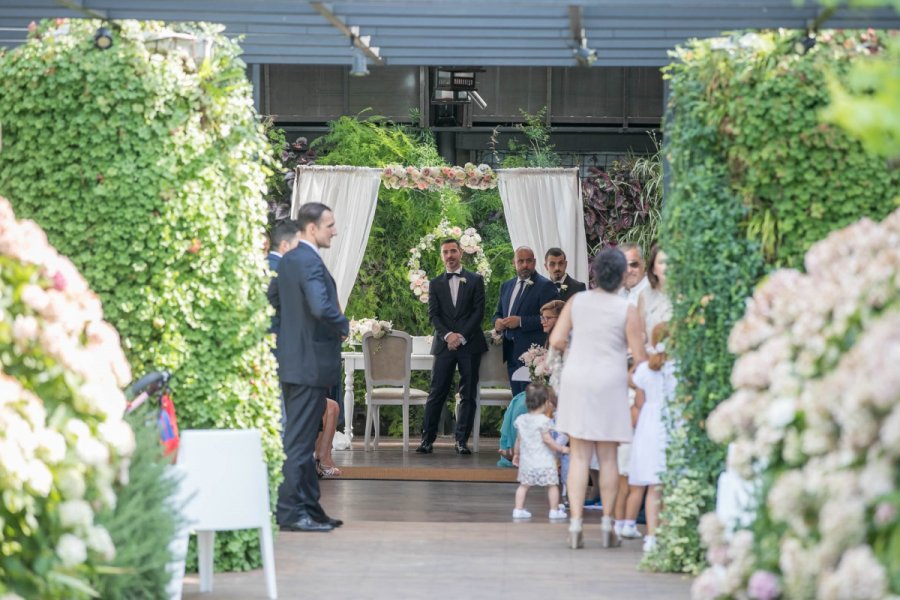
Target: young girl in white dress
<point>535,453</point>
<point>655,382</point>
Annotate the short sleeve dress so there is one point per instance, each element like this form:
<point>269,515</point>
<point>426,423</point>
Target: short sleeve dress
<point>537,463</point>
<point>593,387</point>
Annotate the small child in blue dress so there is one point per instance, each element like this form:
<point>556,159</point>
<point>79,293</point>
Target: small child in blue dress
<point>535,453</point>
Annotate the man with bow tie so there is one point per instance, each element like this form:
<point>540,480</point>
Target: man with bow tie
<point>518,315</point>
<point>555,262</point>
<point>455,309</point>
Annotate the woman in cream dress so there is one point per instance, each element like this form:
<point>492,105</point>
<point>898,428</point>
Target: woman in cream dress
<point>593,389</point>
<point>653,303</point>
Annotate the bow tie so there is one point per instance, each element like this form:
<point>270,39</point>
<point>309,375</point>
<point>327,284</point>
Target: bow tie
<point>452,275</point>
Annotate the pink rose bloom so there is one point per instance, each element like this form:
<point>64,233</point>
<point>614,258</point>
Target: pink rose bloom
<point>422,185</point>
<point>763,585</point>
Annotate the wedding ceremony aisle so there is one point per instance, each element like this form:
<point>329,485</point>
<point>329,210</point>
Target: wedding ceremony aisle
<point>442,539</point>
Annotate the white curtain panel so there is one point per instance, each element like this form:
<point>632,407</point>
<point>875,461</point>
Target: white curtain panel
<point>543,210</point>
<point>351,193</point>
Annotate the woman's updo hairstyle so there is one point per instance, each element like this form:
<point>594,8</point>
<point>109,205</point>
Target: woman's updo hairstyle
<point>609,269</point>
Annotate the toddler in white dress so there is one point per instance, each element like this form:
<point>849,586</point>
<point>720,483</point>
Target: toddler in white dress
<point>535,453</point>
<point>655,380</point>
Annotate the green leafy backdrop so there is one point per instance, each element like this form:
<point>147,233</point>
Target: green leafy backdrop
<point>756,179</point>
<point>155,170</point>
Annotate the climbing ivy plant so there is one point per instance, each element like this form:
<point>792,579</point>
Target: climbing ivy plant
<point>154,164</point>
<point>756,179</point>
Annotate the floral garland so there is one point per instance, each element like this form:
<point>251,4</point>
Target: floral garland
<point>64,446</point>
<point>815,417</point>
<point>480,177</point>
<point>469,241</point>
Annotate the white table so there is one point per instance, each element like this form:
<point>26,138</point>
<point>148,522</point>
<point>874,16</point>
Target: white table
<point>421,360</point>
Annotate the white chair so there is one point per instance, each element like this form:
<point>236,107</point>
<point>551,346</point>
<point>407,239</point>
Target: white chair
<point>387,369</point>
<point>224,486</point>
<point>493,385</point>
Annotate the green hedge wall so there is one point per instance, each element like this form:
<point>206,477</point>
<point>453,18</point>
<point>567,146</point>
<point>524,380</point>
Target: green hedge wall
<point>155,165</point>
<point>755,180</point>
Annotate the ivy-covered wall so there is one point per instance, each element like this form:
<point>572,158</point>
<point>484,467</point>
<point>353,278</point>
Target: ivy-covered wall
<point>756,179</point>
<point>153,165</point>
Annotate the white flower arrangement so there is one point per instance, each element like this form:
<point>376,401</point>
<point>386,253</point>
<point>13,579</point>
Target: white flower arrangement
<point>64,445</point>
<point>529,283</point>
<point>480,177</point>
<point>816,411</point>
<point>359,328</point>
<point>469,241</point>
<point>535,358</point>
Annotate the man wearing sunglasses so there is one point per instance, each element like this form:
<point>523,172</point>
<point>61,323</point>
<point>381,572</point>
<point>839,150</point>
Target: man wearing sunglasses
<point>635,280</point>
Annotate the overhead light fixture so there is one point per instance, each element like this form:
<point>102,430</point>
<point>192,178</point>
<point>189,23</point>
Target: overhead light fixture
<point>103,38</point>
<point>585,56</point>
<point>360,67</point>
<point>477,100</point>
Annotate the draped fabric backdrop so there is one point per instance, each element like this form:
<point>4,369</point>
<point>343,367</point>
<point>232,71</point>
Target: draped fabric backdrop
<point>352,193</point>
<point>543,209</point>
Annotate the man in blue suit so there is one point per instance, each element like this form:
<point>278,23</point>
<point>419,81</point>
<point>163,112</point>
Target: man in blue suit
<point>309,362</point>
<point>518,315</point>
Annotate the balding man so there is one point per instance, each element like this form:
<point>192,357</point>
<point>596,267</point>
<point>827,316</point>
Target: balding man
<point>518,316</point>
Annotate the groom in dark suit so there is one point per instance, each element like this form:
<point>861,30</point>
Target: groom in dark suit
<point>518,315</point>
<point>309,362</point>
<point>456,309</point>
<point>555,262</point>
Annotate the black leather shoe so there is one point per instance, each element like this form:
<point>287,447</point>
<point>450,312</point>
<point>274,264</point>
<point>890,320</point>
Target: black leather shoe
<point>425,448</point>
<point>307,524</point>
<point>461,448</point>
<point>323,518</point>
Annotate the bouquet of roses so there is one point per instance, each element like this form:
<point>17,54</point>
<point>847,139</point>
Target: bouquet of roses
<point>535,358</point>
<point>359,328</point>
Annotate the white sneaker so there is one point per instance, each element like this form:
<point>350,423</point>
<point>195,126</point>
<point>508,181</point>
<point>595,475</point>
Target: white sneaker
<point>558,515</point>
<point>521,513</point>
<point>618,528</point>
<point>649,543</point>
<point>630,532</point>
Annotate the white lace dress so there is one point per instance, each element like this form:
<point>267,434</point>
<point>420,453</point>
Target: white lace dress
<point>537,463</point>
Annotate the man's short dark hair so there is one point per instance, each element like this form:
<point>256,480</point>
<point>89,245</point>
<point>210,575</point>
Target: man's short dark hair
<point>311,212</point>
<point>609,268</point>
<point>451,241</point>
<point>284,231</point>
<point>554,252</point>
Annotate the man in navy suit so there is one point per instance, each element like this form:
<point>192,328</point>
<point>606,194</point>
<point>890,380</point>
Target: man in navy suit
<point>518,315</point>
<point>455,309</point>
<point>555,262</point>
<point>309,362</point>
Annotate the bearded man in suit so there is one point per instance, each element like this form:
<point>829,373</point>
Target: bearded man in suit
<point>455,309</point>
<point>518,315</point>
<point>309,362</point>
<point>556,264</point>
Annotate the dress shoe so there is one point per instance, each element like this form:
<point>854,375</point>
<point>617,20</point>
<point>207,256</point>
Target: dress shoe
<point>323,518</point>
<point>306,524</point>
<point>461,448</point>
<point>425,448</point>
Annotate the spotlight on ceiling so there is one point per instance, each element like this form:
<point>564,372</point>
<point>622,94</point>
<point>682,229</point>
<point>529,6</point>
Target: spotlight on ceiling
<point>103,38</point>
<point>585,56</point>
<point>478,100</point>
<point>360,67</point>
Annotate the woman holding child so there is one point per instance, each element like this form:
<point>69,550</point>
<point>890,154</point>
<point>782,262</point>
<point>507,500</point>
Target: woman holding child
<point>593,390</point>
